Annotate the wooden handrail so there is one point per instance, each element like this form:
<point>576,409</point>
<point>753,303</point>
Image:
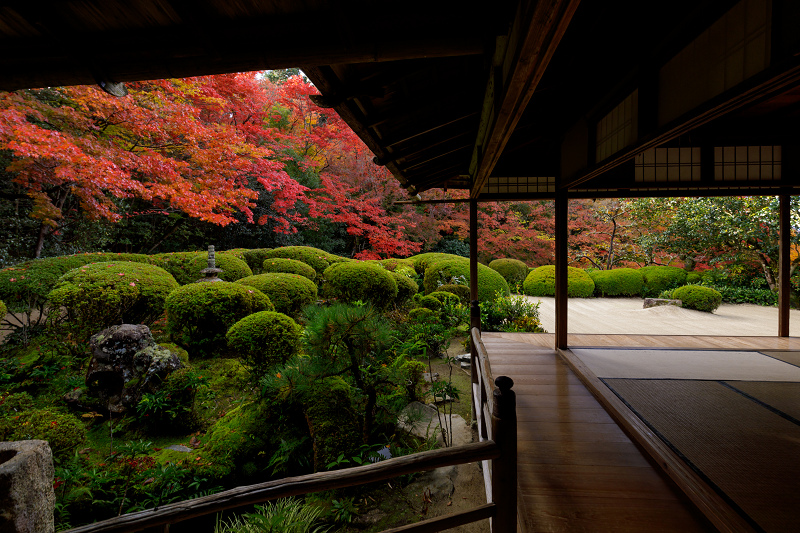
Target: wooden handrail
<point>293,486</point>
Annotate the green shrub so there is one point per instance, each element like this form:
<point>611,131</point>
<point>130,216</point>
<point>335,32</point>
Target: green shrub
<point>617,282</point>
<point>334,422</point>
<point>513,271</point>
<point>421,314</point>
<point>288,266</point>
<point>511,313</point>
<point>293,515</point>
<point>744,295</point>
<point>100,295</point>
<point>430,302</point>
<point>63,432</point>
<point>542,282</point>
<point>255,258</point>
<point>462,291</point>
<point>200,314</point>
<point>15,403</point>
<point>698,297</point>
<point>359,281</point>
<point>693,277</point>
<point>393,264</point>
<point>659,278</point>
<point>450,270</point>
<point>264,340</point>
<point>237,253</point>
<point>421,262</point>
<point>317,259</point>
<point>170,409</point>
<point>186,266</point>
<point>445,297</point>
<point>406,287</point>
<point>3,309</point>
<point>289,293</point>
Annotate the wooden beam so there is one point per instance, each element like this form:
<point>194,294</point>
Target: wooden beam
<point>562,234</point>
<point>784,264</point>
<point>520,60</point>
<point>440,523</point>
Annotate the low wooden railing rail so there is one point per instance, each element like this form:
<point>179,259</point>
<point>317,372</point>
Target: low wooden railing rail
<point>496,450</point>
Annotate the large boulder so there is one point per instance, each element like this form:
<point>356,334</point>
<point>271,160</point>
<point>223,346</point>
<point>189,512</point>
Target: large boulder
<point>27,499</point>
<point>126,363</point>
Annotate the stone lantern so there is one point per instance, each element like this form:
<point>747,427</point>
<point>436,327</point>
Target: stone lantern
<point>211,271</point>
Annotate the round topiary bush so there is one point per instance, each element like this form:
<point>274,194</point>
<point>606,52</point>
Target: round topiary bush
<point>421,262</point>
<point>542,282</point>
<point>288,266</point>
<point>264,340</point>
<point>421,314</point>
<point>659,278</point>
<point>313,257</point>
<point>393,264</point>
<point>430,302</point>
<point>200,314</point>
<point>186,266</point>
<point>698,297</point>
<point>617,282</point>
<point>462,291</point>
<point>359,281</point>
<point>490,282</point>
<point>406,287</point>
<point>693,277</point>
<point>63,432</point>
<point>445,297</point>
<point>255,258</point>
<point>100,295</point>
<point>289,293</point>
<point>513,271</point>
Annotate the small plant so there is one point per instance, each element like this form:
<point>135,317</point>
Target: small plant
<point>445,392</point>
<point>289,515</point>
<point>513,314</point>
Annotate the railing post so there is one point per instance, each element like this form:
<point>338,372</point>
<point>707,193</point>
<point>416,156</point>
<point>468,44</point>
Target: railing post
<point>504,468</point>
<point>474,322</point>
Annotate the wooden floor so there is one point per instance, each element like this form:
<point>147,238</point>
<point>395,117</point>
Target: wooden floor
<point>578,471</point>
<point>547,340</point>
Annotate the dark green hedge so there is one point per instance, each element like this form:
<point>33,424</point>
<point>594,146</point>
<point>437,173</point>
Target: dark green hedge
<point>698,297</point>
<point>317,259</point>
<point>617,282</point>
<point>446,271</point>
<point>658,278</point>
<point>542,282</point>
<point>359,281</point>
<point>289,293</point>
<point>288,266</point>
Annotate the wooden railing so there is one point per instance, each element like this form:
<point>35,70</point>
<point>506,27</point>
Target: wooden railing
<point>497,450</point>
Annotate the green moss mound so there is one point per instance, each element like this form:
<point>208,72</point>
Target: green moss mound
<point>393,264</point>
<point>289,293</point>
<point>445,297</point>
<point>698,297</point>
<point>446,271</point>
<point>288,266</point>
<point>100,295</point>
<point>617,282</point>
<point>513,271</point>
<point>693,277</point>
<point>406,287</point>
<point>659,278</point>
<point>200,314</point>
<point>430,302</point>
<point>185,267</point>
<point>421,314</point>
<point>359,281</point>
<point>264,340</point>
<point>421,262</point>
<point>255,258</point>
<point>542,282</point>
<point>462,291</point>
<point>317,259</point>
<point>63,432</point>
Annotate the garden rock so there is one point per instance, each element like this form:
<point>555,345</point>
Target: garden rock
<point>655,302</point>
<point>27,500</point>
<point>126,363</point>
<point>422,421</point>
<point>430,378</point>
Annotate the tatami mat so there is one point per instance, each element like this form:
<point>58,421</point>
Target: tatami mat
<point>781,397</point>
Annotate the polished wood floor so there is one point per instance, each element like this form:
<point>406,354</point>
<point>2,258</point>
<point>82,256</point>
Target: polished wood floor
<point>578,471</point>
<point>547,340</point>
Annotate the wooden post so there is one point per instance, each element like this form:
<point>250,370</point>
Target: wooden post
<point>784,264</point>
<point>504,468</point>
<point>562,204</point>
<point>474,310</point>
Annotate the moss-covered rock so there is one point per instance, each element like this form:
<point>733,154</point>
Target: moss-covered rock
<point>442,272</point>
<point>617,282</point>
<point>513,271</point>
<point>359,281</point>
<point>658,278</point>
<point>698,297</point>
<point>542,282</point>
<point>289,293</point>
<point>288,266</point>
<point>200,314</point>
<point>264,339</point>
<point>317,259</point>
<point>100,295</point>
<point>186,266</point>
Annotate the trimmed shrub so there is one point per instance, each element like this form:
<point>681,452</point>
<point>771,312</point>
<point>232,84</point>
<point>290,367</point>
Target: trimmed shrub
<point>289,293</point>
<point>693,277</point>
<point>359,281</point>
<point>743,295</point>
<point>421,262</point>
<point>255,259</point>
<point>264,340</point>
<point>100,295</point>
<point>420,314</point>
<point>406,287</point>
<point>333,259</point>
<point>462,291</point>
<point>617,282</point>
<point>288,266</point>
<point>393,264</point>
<point>542,282</point>
<point>445,272</point>
<point>698,297</point>
<point>513,271</point>
<point>237,253</point>
<point>430,302</point>
<point>63,432</point>
<point>444,297</point>
<point>659,278</point>
<point>186,266</point>
<point>200,314</point>
<point>313,257</point>
<point>3,309</point>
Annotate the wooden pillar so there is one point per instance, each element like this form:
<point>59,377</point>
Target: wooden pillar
<point>504,468</point>
<point>562,204</point>
<point>474,310</point>
<point>784,264</point>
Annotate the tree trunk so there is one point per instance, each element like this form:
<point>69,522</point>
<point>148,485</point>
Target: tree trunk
<point>768,274</point>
